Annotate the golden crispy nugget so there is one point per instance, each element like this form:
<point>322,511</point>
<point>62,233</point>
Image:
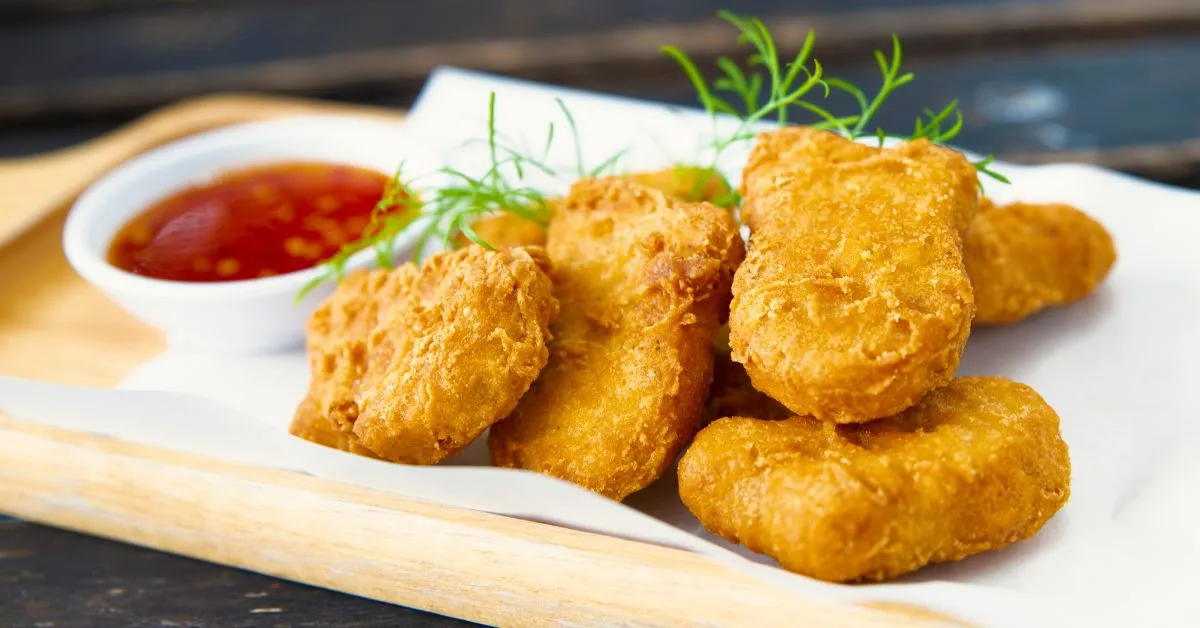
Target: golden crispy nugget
<point>1025,257</point>
<point>311,425</point>
<point>336,337</point>
<point>462,339</point>
<point>351,335</point>
<point>975,466</point>
<point>853,301</point>
<point>688,183</point>
<point>642,280</point>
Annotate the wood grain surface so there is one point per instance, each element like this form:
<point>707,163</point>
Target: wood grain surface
<point>148,53</point>
<point>481,567</point>
<point>62,579</point>
<point>54,326</point>
<point>1104,81</point>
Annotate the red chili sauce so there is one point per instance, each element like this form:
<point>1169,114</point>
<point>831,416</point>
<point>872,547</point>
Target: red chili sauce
<point>256,222</point>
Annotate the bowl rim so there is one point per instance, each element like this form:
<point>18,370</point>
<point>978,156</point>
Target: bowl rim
<point>91,262</point>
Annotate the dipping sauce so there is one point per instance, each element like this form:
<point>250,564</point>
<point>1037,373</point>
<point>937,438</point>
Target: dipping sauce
<point>255,222</point>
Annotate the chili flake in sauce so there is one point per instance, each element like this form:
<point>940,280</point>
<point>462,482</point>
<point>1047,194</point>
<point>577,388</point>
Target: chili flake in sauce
<point>254,222</point>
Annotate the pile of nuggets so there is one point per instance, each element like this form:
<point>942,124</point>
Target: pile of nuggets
<point>808,374</point>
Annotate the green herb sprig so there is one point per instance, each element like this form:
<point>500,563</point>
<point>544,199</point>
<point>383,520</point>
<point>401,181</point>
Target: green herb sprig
<point>457,205</point>
<point>928,126</point>
<point>868,108</point>
<point>450,210</point>
<point>541,163</point>
<point>392,214</point>
<point>745,85</point>
<point>778,78</point>
<point>765,89</point>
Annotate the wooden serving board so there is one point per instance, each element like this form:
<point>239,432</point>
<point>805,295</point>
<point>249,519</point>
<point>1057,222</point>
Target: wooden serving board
<point>486,568</point>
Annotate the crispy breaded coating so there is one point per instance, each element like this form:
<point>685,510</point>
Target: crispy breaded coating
<point>1024,257</point>
<point>976,465</point>
<point>336,338</point>
<point>687,183</point>
<point>642,280</point>
<point>455,349</point>
<point>853,301</point>
<point>411,365</point>
<point>337,334</point>
<point>311,425</point>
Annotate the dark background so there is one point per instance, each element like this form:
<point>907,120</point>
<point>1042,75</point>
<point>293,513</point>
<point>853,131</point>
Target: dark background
<point>1113,82</point>
<point>1108,81</point>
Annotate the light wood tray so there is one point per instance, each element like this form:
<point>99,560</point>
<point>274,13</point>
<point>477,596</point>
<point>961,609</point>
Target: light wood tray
<point>486,568</point>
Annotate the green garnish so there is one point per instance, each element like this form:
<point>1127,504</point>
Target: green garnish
<point>766,88</point>
<point>394,212</point>
<point>465,199</point>
<point>747,87</point>
<point>892,80</point>
<point>982,166</point>
<point>540,163</point>
<point>779,80</point>
<point>450,210</point>
<point>930,129</point>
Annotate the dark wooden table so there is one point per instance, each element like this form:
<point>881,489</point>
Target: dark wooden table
<point>51,578</point>
<point>1111,82</point>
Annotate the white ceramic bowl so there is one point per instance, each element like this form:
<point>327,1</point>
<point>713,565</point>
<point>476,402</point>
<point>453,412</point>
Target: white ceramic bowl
<point>237,316</point>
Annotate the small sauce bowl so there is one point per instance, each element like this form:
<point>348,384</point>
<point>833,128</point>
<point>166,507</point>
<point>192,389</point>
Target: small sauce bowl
<point>253,315</point>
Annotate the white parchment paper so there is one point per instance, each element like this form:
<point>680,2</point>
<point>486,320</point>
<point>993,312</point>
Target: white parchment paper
<point>1120,368</point>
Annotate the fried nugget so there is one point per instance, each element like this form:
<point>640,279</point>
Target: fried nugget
<point>1024,257</point>
<point>853,301</point>
<point>452,353</point>
<point>336,339</point>
<point>975,466</point>
<point>413,364</point>
<point>688,183</point>
<point>642,280</point>
<point>311,425</point>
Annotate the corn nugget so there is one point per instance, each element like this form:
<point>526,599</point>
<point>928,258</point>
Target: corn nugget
<point>687,183</point>
<point>507,230</point>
